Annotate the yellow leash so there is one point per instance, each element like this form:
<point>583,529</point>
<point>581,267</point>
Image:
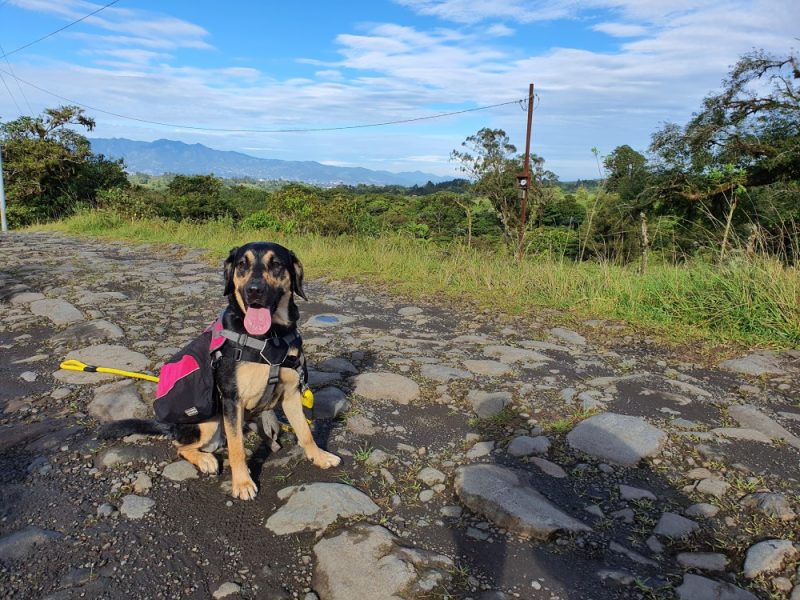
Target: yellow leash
<point>76,365</point>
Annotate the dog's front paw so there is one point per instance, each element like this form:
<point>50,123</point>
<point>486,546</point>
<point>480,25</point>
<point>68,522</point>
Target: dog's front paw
<point>244,490</point>
<point>207,463</point>
<point>324,460</point>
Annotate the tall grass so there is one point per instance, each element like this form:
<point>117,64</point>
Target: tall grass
<point>749,301</point>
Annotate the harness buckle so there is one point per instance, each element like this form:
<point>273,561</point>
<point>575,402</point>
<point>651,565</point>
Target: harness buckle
<point>237,356</point>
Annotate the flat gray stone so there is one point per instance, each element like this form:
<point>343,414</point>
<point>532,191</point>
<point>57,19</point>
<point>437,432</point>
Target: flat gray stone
<point>695,587</point>
<point>19,544</point>
<point>316,505</point>
<point>368,561</point>
<point>754,364</point>
<point>500,495</point>
<point>121,455</point>
<point>569,336</point>
<point>59,312</point>
<point>742,433</point>
<point>767,557</point>
<point>118,400</point>
<point>627,492</point>
<point>488,404</point>
<point>330,402</point>
<point>713,487</point>
<point>226,590</point>
<point>386,386</point>
<point>136,507</point>
<point>489,368</point>
<point>361,425</point>
<point>180,470</point>
<point>525,445</point>
<point>25,298</point>
<point>102,355</point>
<point>88,332</point>
<point>549,468</point>
<point>409,311</point>
<point>511,354</point>
<point>675,526</point>
<point>443,373</point>
<point>430,476</point>
<point>749,416</point>
<point>480,449</point>
<point>705,561</point>
<point>701,509</point>
<point>620,439</point>
<point>772,504</point>
<point>327,321</point>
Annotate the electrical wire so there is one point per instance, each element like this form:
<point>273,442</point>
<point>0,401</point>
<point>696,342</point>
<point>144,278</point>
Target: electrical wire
<point>19,87</point>
<point>283,130</point>
<point>59,30</point>
<point>8,89</point>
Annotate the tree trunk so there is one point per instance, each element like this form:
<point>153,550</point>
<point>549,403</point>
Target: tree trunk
<point>727,227</point>
<point>645,241</point>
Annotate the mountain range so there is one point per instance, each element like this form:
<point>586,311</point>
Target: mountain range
<point>170,156</point>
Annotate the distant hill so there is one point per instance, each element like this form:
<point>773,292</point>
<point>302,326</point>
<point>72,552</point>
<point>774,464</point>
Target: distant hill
<point>169,156</point>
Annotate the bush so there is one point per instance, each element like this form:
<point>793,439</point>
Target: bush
<point>554,241</point>
<point>129,202</point>
<point>261,219</point>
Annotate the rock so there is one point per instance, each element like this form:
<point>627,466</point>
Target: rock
<point>695,587</point>
<point>767,557</point>
<point>488,404</point>
<point>180,470</point>
<point>136,507</point>
<point>771,504</point>
<point>89,332</point>
<point>627,492</point>
<point>319,378</point>
<point>443,373</point>
<point>330,402</point>
<point>60,312</point>
<point>489,368</point>
<point>117,400</point>
<point>699,473</point>
<point>29,376</point>
<point>337,365</point>
<point>480,449</point>
<point>510,354</point>
<point>451,512</point>
<point>674,526</point>
<point>569,336</point>
<point>386,386</point>
<point>361,425</point>
<point>701,509</point>
<point>327,320</point>
<point>713,487</point>
<point>120,455</point>
<point>705,561</point>
<point>317,505</point>
<point>25,298</point>
<point>142,484</point>
<point>742,433</point>
<point>426,495</point>
<point>754,364</point>
<point>102,355</point>
<point>619,439</point>
<point>377,457</point>
<point>525,445</point>
<point>226,590</point>
<point>499,494</point>
<point>19,544</point>
<point>430,476</point>
<point>749,416</point>
<point>105,510</point>
<point>409,311</point>
<point>549,468</point>
<point>387,569</point>
<point>618,577</point>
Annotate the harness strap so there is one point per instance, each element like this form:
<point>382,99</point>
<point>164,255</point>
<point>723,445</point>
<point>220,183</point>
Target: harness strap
<point>242,339</point>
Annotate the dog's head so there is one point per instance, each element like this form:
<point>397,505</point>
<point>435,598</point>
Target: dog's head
<point>261,279</point>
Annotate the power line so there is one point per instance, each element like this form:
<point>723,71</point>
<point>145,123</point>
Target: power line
<point>14,100</point>
<point>19,87</point>
<point>284,130</point>
<point>52,33</point>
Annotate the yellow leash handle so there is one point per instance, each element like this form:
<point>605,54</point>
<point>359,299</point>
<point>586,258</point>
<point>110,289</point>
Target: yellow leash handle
<point>76,365</point>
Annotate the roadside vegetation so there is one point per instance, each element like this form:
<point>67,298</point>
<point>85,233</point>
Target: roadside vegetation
<point>697,238</point>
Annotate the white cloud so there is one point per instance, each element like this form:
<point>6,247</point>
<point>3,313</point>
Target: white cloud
<point>621,29</point>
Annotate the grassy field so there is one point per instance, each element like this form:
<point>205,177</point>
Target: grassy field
<point>750,302</point>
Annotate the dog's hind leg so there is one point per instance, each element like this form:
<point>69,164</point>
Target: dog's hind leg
<point>190,438</point>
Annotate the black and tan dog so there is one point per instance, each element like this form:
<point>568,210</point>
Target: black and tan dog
<point>261,280</point>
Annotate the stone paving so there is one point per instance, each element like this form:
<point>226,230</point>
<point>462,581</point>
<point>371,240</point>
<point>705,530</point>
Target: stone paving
<point>485,457</point>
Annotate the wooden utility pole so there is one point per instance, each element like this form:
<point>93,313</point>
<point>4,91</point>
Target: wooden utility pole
<point>645,242</point>
<point>526,171</point>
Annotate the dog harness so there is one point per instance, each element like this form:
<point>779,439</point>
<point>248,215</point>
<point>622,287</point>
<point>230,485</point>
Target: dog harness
<point>187,392</point>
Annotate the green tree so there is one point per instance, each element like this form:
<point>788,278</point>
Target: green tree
<point>49,167</point>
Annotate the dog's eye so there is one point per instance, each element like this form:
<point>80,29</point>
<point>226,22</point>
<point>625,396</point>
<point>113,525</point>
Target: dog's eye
<point>242,262</point>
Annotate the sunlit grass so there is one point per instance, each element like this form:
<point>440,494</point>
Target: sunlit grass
<point>755,301</point>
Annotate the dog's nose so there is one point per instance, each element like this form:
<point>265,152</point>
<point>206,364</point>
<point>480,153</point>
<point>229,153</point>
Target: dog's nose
<point>254,288</point>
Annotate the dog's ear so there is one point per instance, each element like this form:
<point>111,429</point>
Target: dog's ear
<point>296,273</point>
<point>230,263</point>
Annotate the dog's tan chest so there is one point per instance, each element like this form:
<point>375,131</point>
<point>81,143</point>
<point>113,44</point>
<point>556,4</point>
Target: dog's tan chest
<point>251,381</point>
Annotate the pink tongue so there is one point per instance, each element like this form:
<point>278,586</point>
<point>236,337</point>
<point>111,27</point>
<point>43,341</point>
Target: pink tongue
<point>257,321</point>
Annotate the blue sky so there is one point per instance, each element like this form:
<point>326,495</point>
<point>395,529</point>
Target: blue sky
<point>607,72</point>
